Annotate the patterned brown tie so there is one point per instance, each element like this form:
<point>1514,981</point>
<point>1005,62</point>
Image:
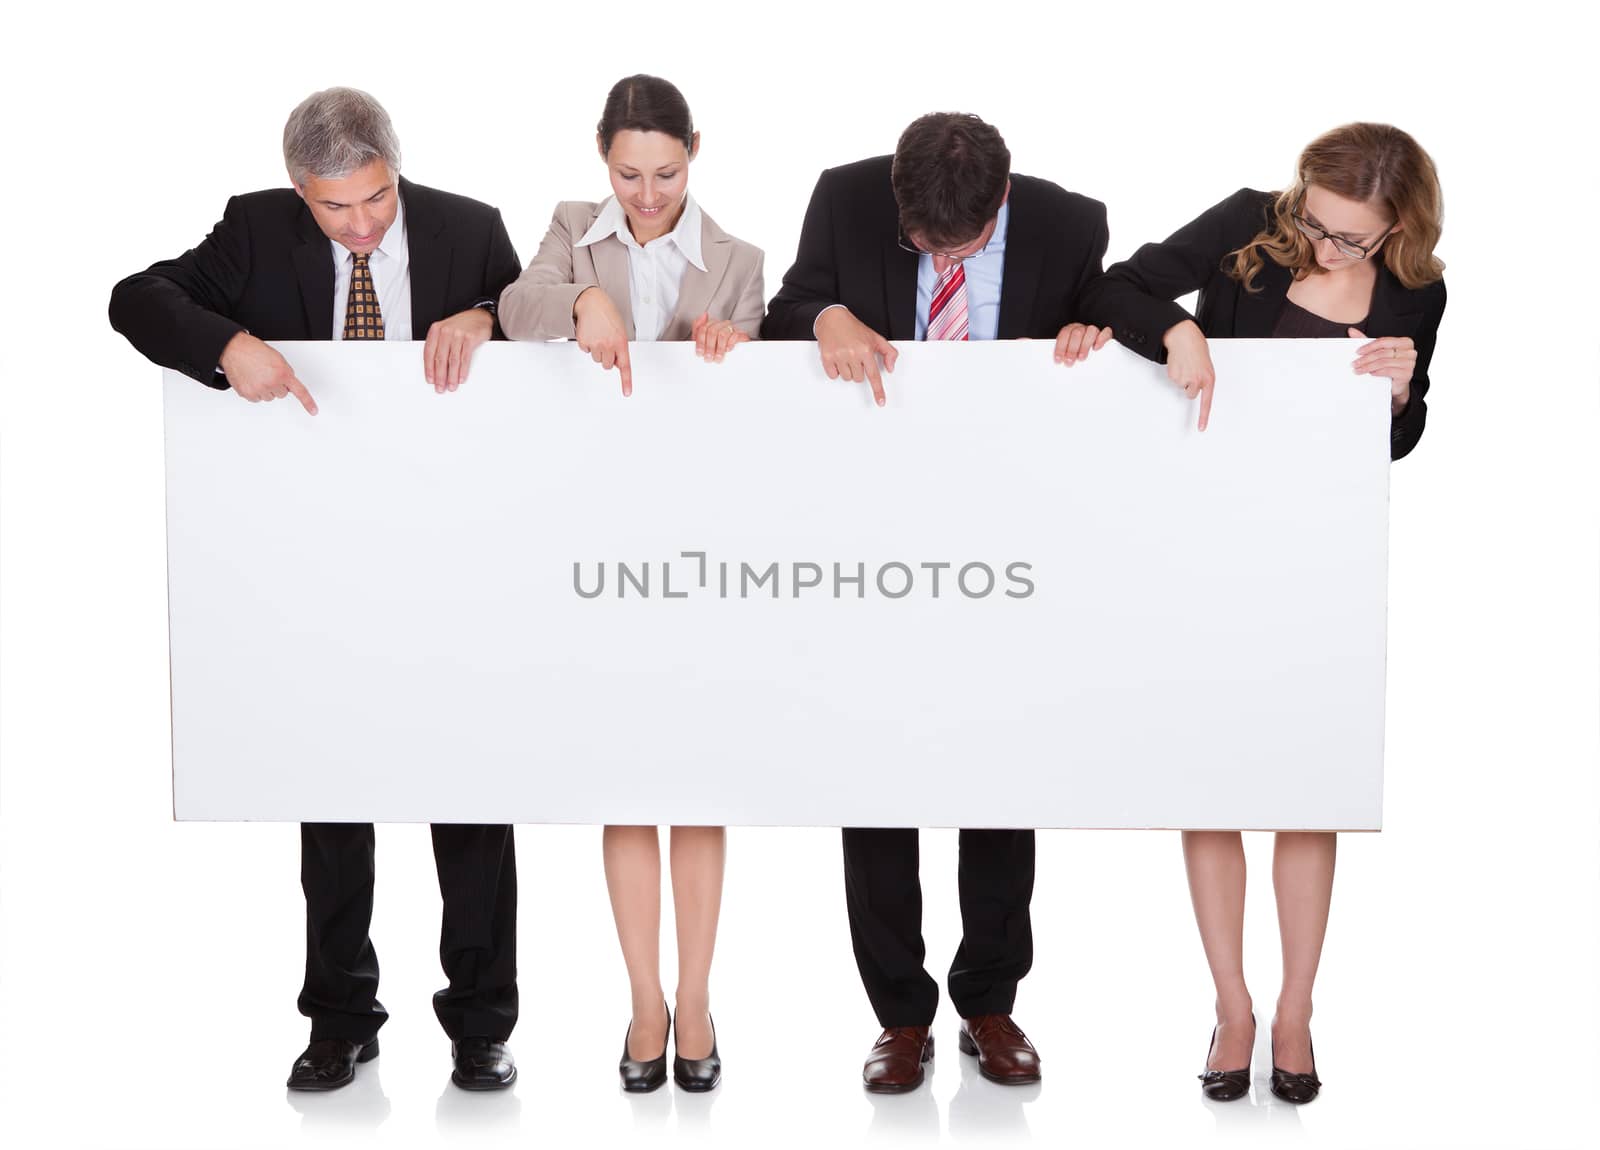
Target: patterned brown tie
<point>362,320</point>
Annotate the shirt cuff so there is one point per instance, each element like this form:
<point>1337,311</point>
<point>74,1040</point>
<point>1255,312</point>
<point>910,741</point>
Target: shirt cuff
<point>820,314</point>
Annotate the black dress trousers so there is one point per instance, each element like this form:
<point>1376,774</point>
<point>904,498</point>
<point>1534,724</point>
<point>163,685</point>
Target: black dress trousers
<point>883,892</point>
<point>477,868</point>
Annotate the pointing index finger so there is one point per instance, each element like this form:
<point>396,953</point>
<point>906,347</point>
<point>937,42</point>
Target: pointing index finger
<point>874,377</point>
<point>298,390</point>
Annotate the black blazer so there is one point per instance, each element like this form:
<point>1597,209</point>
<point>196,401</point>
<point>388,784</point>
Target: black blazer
<point>1134,298</point>
<point>850,253</point>
<point>267,268</point>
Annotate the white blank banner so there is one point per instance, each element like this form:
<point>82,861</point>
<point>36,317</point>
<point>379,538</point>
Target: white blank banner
<point>1019,595</point>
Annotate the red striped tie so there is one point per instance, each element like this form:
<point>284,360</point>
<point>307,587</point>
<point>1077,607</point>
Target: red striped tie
<point>947,315</point>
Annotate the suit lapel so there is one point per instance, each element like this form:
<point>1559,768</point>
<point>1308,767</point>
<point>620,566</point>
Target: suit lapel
<point>1025,242</point>
<point>1390,314</point>
<point>612,273</point>
<point>1258,311</point>
<point>313,266</point>
<point>900,288</point>
<point>1019,284</point>
<point>429,258</point>
<point>694,294</point>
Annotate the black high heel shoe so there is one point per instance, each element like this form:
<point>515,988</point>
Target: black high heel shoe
<point>641,1077</point>
<point>1296,1088</point>
<point>1226,1085</point>
<point>698,1075</point>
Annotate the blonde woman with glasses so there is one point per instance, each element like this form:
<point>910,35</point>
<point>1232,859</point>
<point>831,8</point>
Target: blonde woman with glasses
<point>1347,250</point>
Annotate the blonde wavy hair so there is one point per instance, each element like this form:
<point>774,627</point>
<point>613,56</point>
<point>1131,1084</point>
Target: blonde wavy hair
<point>1375,164</point>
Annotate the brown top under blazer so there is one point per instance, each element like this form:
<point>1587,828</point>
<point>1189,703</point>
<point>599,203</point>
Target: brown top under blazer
<point>1134,298</point>
<point>539,304</point>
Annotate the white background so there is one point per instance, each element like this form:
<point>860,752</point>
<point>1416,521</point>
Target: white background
<point>517,701</point>
<point>148,970</point>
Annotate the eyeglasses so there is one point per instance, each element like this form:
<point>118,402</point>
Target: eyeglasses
<point>906,245</point>
<point>1348,247</point>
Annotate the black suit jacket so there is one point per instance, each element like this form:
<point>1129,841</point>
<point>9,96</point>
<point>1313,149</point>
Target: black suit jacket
<point>850,253</point>
<point>267,268</point>
<point>1134,298</point>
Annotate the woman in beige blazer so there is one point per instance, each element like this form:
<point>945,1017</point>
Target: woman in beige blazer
<point>648,264</point>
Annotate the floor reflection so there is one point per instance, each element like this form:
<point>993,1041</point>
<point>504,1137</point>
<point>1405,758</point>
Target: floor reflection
<point>650,1111</point>
<point>986,1110</point>
<point>913,1116</point>
<point>360,1106</point>
<point>694,1110</point>
<point>464,1111</point>
<point>1257,1113</point>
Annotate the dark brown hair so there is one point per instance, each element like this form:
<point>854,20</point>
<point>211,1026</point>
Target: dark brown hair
<point>949,175</point>
<point>1374,164</point>
<point>645,104</point>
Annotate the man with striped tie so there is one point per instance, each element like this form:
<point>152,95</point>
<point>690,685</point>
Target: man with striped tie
<point>353,251</point>
<point>940,241</point>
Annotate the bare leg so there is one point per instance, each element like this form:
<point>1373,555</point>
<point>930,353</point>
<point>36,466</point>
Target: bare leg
<point>1302,877</point>
<point>1215,861</point>
<point>697,864</point>
<point>633,876</point>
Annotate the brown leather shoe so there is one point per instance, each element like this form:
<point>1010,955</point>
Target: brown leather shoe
<point>1004,1053</point>
<point>895,1064</point>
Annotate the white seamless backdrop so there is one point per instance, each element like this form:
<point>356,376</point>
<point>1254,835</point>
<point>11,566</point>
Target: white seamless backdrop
<point>148,970</point>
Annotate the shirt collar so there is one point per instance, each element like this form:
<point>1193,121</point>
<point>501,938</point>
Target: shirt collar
<point>997,238</point>
<point>393,245</point>
<point>613,221</point>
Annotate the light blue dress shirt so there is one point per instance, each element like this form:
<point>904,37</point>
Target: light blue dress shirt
<point>984,272</point>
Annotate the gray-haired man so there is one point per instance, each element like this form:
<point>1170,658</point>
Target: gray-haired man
<point>353,251</point>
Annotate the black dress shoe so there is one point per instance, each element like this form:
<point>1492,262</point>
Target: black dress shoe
<point>1225,1085</point>
<point>641,1077</point>
<point>699,1074</point>
<point>482,1064</point>
<point>1296,1088</point>
<point>329,1063</point>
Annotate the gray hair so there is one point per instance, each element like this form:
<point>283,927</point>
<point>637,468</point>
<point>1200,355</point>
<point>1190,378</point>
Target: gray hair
<point>336,131</point>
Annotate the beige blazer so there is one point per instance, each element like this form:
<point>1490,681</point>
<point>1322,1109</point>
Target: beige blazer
<point>539,304</point>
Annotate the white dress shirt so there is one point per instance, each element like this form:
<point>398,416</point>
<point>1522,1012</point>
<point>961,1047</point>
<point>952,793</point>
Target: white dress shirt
<point>983,278</point>
<point>655,269</point>
<point>390,265</point>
